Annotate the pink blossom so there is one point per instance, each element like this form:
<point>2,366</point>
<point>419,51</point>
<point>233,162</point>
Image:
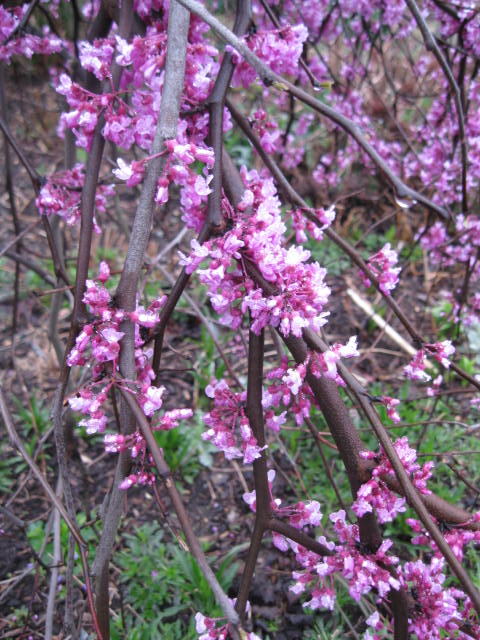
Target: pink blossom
<point>151,399</point>
<point>382,265</point>
<point>416,369</point>
<point>280,49</point>
<point>390,404</point>
<point>94,424</point>
<point>441,351</point>
<point>161,196</point>
<point>60,195</point>
<point>228,424</point>
<point>81,342</point>
<point>131,173</point>
<point>104,272</point>
<point>97,57</point>
<point>374,494</point>
<point>114,442</point>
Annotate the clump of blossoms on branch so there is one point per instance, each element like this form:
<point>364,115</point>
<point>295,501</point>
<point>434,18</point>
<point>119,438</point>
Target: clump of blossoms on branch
<point>363,573</point>
<point>214,629</point>
<point>289,390</point>
<point>441,351</point>
<point>98,345</point>
<point>436,609</point>
<point>280,49</point>
<point>375,494</point>
<point>229,428</point>
<point>382,265</point>
<point>61,193</point>
<point>229,409</point>
<point>15,42</point>
<point>131,113</point>
<point>287,386</point>
<point>258,238</point>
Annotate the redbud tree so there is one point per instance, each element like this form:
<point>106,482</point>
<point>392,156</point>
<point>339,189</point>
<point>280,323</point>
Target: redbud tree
<point>324,95</point>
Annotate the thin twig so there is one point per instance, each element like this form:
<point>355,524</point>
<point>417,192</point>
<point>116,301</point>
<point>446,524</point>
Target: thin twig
<point>14,240</point>
<point>216,102</point>
<point>34,176</point>
<point>35,470</point>
<point>331,479</point>
<point>57,557</point>
<point>13,207</point>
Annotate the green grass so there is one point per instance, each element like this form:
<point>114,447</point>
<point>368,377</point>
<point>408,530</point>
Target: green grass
<point>32,422</point>
<point>329,255</point>
<point>36,535</point>
<point>163,587</point>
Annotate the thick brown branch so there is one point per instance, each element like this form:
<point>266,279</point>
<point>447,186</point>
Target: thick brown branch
<point>262,493</point>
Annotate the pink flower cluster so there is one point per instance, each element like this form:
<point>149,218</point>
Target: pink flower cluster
<point>61,193</point>
<point>461,249</point>
<point>268,131</point>
<point>439,605</point>
<point>207,628</point>
<point>382,265</point>
<point>301,224</point>
<point>280,49</point>
<point>228,418</point>
<point>86,108</point>
<point>195,188</point>
<point>363,573</point>
<point>375,494</point>
<point>114,443</point>
<point>457,536</point>
<point>25,43</point>
<point>441,351</point>
<point>390,404</point>
<point>325,364</point>
<point>259,238</point>
<point>437,608</point>
<point>98,344</point>
<point>143,61</point>
<point>289,389</point>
